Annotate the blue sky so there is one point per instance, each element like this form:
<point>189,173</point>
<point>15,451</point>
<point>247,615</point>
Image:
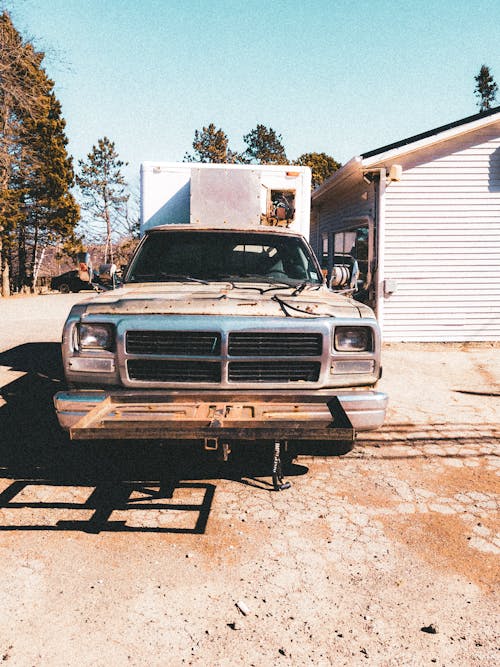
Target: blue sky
<point>339,76</point>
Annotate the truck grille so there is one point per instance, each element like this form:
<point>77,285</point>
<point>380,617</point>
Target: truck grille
<point>166,370</point>
<point>274,371</point>
<point>174,343</point>
<point>258,357</point>
<point>261,344</point>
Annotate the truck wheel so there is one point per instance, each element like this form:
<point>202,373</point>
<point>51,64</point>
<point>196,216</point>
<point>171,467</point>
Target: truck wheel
<point>64,288</point>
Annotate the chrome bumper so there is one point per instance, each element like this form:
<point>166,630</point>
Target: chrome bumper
<point>125,414</point>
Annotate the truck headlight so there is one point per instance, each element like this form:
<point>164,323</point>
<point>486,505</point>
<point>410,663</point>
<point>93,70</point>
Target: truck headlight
<point>353,339</point>
<point>95,337</point>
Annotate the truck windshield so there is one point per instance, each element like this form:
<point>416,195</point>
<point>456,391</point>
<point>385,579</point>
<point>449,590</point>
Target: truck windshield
<point>167,256</point>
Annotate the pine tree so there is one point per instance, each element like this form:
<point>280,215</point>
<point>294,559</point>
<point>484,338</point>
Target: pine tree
<point>210,145</point>
<point>22,94</point>
<point>103,189</point>
<point>51,210</point>
<point>486,88</point>
<point>264,146</point>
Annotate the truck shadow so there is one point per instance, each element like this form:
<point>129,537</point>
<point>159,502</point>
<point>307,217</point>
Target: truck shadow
<point>106,482</point>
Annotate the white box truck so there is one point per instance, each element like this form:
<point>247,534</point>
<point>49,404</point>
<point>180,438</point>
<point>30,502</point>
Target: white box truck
<point>223,195</point>
<point>224,330</point>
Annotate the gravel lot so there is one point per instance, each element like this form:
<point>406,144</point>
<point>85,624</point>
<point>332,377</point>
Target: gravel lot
<point>385,556</point>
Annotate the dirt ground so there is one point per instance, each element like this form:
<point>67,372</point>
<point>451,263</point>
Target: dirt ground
<point>144,554</point>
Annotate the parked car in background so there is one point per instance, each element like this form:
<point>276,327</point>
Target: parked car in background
<point>70,282</point>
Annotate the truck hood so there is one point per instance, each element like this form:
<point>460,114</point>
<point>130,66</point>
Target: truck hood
<point>225,299</point>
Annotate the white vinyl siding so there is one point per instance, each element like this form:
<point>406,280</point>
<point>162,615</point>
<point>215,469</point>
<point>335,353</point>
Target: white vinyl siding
<point>442,242</point>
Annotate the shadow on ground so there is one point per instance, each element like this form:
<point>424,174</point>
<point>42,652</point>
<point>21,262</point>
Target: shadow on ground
<point>41,467</point>
<point>33,446</point>
<point>35,452</point>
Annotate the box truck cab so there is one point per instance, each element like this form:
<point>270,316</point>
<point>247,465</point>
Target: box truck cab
<point>224,329</point>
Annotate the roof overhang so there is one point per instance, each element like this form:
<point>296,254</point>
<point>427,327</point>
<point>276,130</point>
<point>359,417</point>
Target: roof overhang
<point>387,155</point>
<point>423,141</point>
<point>351,169</point>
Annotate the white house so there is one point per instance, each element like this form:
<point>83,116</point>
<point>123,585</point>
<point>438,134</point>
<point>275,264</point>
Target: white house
<point>423,217</point>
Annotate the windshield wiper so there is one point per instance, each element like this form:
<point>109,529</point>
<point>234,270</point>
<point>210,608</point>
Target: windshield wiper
<point>277,285</point>
<point>238,281</point>
<point>300,288</point>
<point>175,276</point>
<point>153,277</point>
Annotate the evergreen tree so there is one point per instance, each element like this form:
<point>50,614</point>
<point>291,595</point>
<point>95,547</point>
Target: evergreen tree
<point>486,88</point>
<point>211,145</point>
<point>35,171</point>
<point>51,210</point>
<point>322,166</point>
<point>264,146</point>
<point>103,189</point>
<point>22,93</point>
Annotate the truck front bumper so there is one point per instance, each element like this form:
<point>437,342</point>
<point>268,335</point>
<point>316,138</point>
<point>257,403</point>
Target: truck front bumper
<point>125,414</point>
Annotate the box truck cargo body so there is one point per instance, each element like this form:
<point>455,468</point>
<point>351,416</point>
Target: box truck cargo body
<point>222,195</point>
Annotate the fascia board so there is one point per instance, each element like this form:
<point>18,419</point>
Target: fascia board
<point>429,141</point>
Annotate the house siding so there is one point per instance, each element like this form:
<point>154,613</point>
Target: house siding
<point>442,242</point>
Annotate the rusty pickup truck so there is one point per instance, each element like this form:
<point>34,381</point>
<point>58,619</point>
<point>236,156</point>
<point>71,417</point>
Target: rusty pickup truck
<point>221,334</point>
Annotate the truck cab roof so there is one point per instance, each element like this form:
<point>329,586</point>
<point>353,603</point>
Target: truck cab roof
<point>227,228</point>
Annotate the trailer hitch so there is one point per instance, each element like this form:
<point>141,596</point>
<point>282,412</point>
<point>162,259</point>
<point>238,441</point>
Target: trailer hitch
<point>278,481</point>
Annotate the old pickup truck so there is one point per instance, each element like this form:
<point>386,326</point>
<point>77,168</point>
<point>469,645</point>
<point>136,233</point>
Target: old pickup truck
<point>223,332</point>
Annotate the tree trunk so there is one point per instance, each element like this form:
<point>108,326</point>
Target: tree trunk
<point>36,269</point>
<point>1,262</point>
<point>109,245</point>
<point>21,257</point>
<point>5,276</point>
<point>4,180</point>
<point>33,255</point>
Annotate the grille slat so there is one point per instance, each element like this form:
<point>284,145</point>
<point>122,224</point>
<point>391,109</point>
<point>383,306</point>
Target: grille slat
<point>174,343</point>
<point>165,370</point>
<point>262,344</point>
<point>274,371</point>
